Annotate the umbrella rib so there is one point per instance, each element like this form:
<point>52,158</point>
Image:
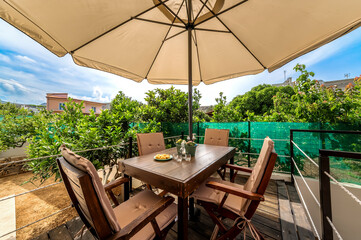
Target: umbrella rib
<point>234,35</point>
<point>161,45</point>
<point>199,61</point>
<point>195,19</point>
<point>171,11</point>
<point>131,18</point>
<point>157,22</point>
<point>217,14</point>
<point>175,35</point>
<point>187,9</point>
<point>35,25</point>
<point>212,30</point>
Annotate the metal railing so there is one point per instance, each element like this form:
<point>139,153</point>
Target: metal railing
<point>325,178</point>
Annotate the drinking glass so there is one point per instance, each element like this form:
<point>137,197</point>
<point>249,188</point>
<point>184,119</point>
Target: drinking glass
<point>177,157</point>
<point>188,157</point>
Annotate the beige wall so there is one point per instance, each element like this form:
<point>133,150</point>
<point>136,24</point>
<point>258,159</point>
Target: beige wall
<point>53,105</point>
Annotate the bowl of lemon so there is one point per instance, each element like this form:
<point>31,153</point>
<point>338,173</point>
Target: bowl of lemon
<point>163,157</point>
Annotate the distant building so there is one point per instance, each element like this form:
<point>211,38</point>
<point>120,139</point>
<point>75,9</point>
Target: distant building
<point>207,110</point>
<point>341,84</point>
<point>288,82</point>
<point>56,102</point>
<point>32,108</point>
<point>106,106</point>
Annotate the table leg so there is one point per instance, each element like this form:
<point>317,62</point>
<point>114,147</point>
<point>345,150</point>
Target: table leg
<point>126,189</point>
<point>231,172</point>
<point>191,207</point>
<point>130,184</point>
<point>182,218</point>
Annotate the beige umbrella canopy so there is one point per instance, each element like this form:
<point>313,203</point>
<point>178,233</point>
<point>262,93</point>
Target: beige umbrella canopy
<point>182,41</point>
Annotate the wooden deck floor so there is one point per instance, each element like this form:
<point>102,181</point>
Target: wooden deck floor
<point>266,220</point>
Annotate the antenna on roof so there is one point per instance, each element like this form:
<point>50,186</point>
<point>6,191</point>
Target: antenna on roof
<point>285,74</point>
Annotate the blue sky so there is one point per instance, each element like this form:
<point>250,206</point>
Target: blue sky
<point>28,71</point>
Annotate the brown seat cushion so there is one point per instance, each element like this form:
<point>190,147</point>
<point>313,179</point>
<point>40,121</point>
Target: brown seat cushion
<point>136,206</point>
<point>86,166</point>
<point>218,137</point>
<point>212,195</point>
<point>150,143</point>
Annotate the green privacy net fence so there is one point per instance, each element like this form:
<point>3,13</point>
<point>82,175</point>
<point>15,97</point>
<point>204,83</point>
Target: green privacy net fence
<point>248,137</point>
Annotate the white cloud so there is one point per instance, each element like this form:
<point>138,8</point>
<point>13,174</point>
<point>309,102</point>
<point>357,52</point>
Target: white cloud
<point>13,86</point>
<point>4,58</point>
<point>25,59</point>
<point>97,96</point>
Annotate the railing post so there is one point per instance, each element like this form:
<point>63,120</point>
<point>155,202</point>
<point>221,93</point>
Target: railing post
<point>182,135</point>
<point>128,185</point>
<point>130,156</point>
<point>249,143</point>
<point>198,132</point>
<point>291,155</point>
<point>325,196</point>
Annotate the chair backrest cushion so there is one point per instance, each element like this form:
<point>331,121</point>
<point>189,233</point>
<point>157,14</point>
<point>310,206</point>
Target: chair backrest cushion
<point>217,137</point>
<point>258,172</point>
<point>87,167</point>
<point>150,143</point>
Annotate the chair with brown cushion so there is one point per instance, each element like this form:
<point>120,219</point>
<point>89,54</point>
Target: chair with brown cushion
<point>226,199</point>
<point>144,216</point>
<point>218,137</point>
<point>150,143</point>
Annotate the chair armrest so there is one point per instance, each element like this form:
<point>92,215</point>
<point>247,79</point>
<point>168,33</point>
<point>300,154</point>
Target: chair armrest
<point>115,183</point>
<point>235,191</point>
<point>137,224</point>
<point>238,168</point>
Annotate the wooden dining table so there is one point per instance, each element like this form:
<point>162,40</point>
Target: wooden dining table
<point>179,178</point>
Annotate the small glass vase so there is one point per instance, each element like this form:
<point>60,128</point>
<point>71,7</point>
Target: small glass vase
<point>178,145</point>
<point>191,150</point>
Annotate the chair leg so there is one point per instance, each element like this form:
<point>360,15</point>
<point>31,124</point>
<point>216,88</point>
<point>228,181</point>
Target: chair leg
<point>214,233</point>
<point>231,233</point>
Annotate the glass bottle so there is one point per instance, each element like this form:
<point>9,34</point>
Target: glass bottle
<point>183,149</point>
<point>194,137</point>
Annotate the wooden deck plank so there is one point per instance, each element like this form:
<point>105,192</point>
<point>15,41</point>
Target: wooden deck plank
<point>43,236</point>
<point>60,233</point>
<point>302,224</point>
<point>74,226</point>
<point>286,217</point>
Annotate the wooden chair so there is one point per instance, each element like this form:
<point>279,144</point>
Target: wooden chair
<point>226,199</point>
<point>150,143</point>
<point>218,137</point>
<point>144,216</point>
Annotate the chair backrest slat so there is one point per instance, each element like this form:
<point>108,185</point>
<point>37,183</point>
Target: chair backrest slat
<point>84,199</point>
<point>150,143</point>
<point>217,137</point>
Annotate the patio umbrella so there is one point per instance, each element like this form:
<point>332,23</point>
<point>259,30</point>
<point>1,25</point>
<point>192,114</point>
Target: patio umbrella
<point>182,41</point>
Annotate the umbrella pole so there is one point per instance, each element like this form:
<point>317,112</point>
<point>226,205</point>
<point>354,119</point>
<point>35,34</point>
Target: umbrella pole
<point>190,97</point>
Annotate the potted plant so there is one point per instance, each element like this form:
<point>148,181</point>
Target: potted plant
<point>191,148</point>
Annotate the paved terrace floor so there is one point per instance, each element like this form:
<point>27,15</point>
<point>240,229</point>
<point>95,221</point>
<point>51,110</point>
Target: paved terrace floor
<point>290,223</point>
